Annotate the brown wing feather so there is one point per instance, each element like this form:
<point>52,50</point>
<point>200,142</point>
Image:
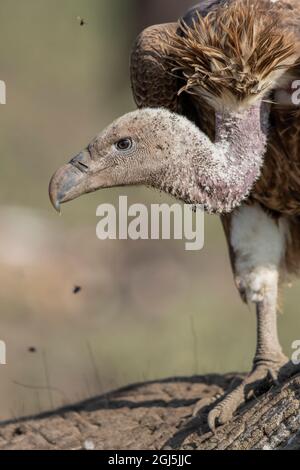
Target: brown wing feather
<point>152,83</point>
<point>278,188</point>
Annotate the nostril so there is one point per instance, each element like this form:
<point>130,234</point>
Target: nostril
<point>83,165</point>
<point>77,158</point>
<point>78,162</point>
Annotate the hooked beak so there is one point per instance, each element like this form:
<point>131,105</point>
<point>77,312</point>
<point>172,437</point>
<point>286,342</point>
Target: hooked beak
<point>70,181</point>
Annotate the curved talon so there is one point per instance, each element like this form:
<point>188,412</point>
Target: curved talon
<point>212,420</point>
<point>220,415</point>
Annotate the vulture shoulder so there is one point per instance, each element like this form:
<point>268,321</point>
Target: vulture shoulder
<point>152,84</point>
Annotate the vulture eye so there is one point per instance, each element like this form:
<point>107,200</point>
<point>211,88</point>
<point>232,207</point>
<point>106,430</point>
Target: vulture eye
<point>124,144</point>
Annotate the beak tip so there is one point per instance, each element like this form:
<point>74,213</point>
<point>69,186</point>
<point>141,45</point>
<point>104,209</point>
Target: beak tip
<point>55,203</point>
<point>53,196</point>
<point>57,207</point>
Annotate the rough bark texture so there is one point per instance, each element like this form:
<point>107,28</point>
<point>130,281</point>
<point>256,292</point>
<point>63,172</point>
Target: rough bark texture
<point>158,415</point>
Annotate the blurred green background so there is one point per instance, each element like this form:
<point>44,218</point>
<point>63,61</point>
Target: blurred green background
<point>146,309</point>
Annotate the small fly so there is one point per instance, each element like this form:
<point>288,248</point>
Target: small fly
<point>77,289</point>
<point>81,21</point>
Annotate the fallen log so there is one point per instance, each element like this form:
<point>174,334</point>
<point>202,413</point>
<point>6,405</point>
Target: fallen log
<point>159,415</point>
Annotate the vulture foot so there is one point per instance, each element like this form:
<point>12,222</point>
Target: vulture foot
<point>263,376</point>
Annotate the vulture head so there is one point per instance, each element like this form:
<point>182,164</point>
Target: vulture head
<point>214,67</point>
<point>135,149</point>
<point>164,150</point>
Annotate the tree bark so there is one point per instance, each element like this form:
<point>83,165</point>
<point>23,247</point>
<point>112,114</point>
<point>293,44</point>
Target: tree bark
<point>158,415</point>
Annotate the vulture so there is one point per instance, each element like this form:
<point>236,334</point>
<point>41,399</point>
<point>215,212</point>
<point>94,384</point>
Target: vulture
<point>217,126</point>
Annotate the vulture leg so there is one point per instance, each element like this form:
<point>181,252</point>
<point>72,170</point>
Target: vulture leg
<point>257,246</point>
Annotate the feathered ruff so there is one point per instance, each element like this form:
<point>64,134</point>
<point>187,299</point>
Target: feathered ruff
<point>234,55</point>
